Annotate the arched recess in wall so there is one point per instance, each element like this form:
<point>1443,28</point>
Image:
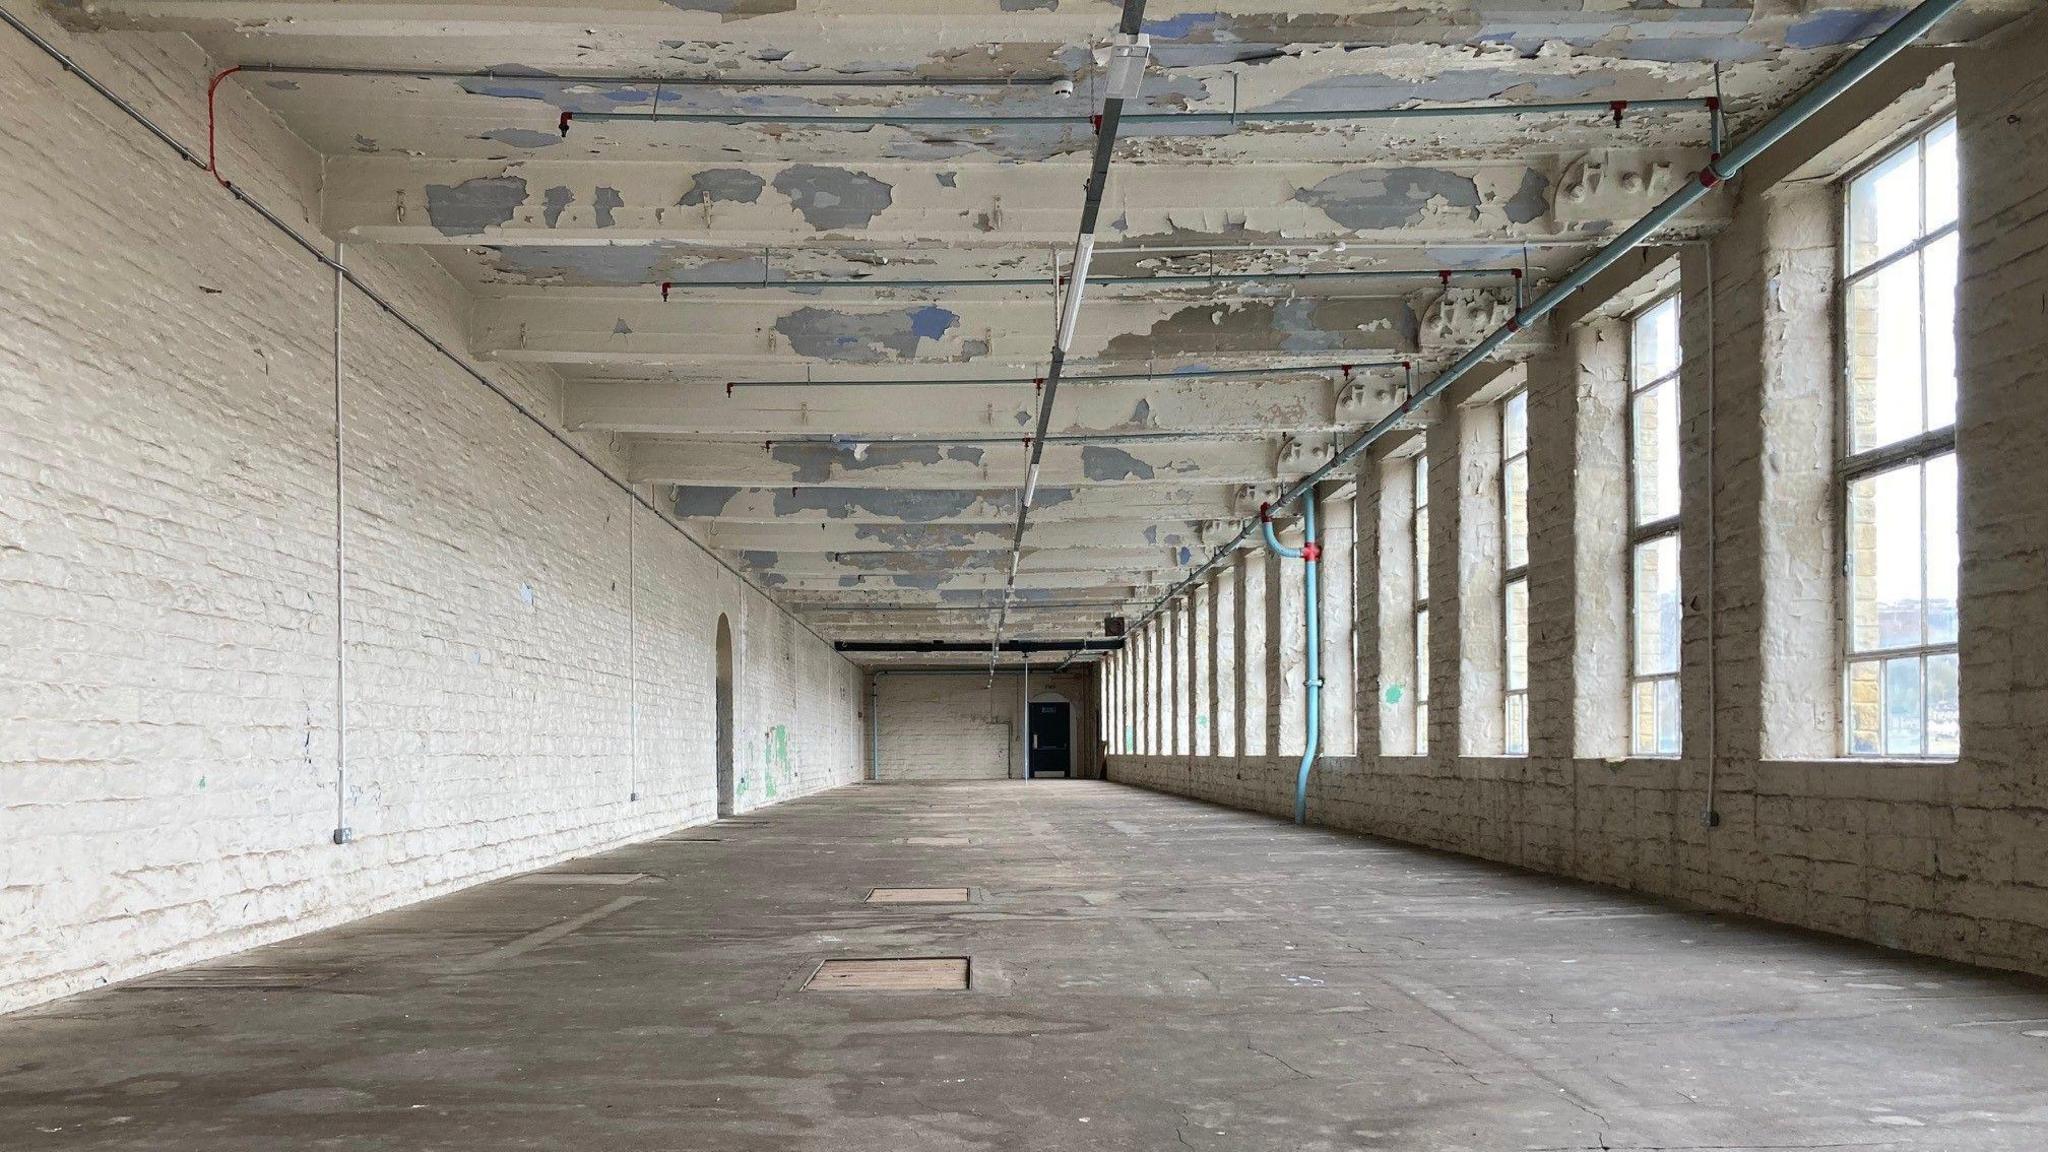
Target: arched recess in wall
<point>722,715</point>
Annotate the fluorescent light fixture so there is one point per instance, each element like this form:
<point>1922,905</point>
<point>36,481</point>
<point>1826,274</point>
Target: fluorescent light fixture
<point>1127,59</point>
<point>1031,484</point>
<point>1084,252</point>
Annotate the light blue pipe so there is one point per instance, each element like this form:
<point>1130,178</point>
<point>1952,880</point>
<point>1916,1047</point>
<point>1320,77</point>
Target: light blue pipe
<point>1311,553</point>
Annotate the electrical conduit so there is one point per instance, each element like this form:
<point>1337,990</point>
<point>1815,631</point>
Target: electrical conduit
<point>1310,554</point>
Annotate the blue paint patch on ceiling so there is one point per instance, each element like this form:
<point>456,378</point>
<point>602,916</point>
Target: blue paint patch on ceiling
<point>1830,29</point>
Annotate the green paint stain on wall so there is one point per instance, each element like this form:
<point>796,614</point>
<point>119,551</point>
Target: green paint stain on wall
<point>1393,693</point>
<point>775,760</point>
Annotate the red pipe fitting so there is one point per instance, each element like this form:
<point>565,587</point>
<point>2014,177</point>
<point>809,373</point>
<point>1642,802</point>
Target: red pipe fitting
<point>665,285</point>
<point>1311,551</point>
<point>1619,107</point>
<point>562,125</point>
<point>213,86</point>
<point>1265,513</point>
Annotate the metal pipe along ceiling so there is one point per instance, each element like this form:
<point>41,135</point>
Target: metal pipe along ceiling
<point>1719,170</point>
<point>1166,120</point>
<point>669,287</point>
<point>1095,378</point>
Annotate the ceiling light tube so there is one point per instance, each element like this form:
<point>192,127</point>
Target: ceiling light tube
<point>1031,484</point>
<point>1127,59</point>
<point>1084,251</point>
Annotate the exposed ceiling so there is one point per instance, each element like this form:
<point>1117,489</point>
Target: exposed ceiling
<point>802,253</point>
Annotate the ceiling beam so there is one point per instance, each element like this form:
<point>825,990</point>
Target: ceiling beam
<point>1323,402</point>
<point>950,467</point>
<point>816,504</point>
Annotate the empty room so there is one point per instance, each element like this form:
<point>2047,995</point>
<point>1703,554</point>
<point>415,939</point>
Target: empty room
<point>1006,575</point>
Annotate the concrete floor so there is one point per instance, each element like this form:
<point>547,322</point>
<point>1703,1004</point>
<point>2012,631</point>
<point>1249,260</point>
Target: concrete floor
<point>1150,973</point>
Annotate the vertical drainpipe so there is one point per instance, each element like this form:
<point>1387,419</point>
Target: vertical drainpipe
<point>1310,553</point>
<point>342,834</point>
<point>875,725</point>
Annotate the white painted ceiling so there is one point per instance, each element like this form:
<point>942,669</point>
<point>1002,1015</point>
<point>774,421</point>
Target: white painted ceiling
<point>884,511</point>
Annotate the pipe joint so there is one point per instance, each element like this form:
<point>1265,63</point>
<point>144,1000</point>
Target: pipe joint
<point>1311,551</point>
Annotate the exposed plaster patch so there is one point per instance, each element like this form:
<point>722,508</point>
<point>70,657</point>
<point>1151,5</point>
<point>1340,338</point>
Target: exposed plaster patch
<point>1109,464</point>
<point>607,200</point>
<point>915,536</point>
<point>604,265</point>
<point>816,463</point>
<point>1531,200</point>
<point>1305,324</point>
<point>1376,198</point>
<point>864,337</point>
<point>734,9</point>
<point>522,137</point>
<point>553,201</point>
<point>948,179</point>
<point>470,207</point>
<point>712,185</point>
<point>699,501</point>
<point>911,506</point>
<point>965,454</point>
<point>364,143</point>
<point>831,198</point>
<point>621,328</point>
<point>1030,5</point>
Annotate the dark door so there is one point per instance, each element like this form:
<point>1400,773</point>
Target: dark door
<point>1050,723</point>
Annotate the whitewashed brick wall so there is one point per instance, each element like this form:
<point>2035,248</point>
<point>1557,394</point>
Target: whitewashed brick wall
<point>955,727</point>
<point>1948,859</point>
<point>167,572</point>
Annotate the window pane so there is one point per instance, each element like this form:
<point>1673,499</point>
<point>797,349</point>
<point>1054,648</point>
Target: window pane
<point>1653,427</point>
<point>1515,617</point>
<point>1667,718</point>
<point>1515,740</point>
<point>1942,565</point>
<point>1655,718</point>
<point>1421,481</point>
<point>1884,208</point>
<point>1884,560</point>
<point>1515,492</point>
<point>1944,707</point>
<point>1643,716</point>
<point>1514,425</point>
<point>1884,365</point>
<point>1654,343</point>
<point>1422,729</point>
<point>1902,718</point>
<point>1421,554</point>
<point>1943,180</point>
<point>1656,608</point>
<point>1864,708</point>
<point>1939,260</point>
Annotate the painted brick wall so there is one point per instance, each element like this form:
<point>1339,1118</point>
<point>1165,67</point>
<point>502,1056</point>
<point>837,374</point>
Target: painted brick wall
<point>1949,859</point>
<point>954,727</point>
<point>168,724</point>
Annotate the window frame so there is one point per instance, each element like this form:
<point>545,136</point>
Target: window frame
<point>1916,451</point>
<point>1510,576</point>
<point>1651,531</point>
